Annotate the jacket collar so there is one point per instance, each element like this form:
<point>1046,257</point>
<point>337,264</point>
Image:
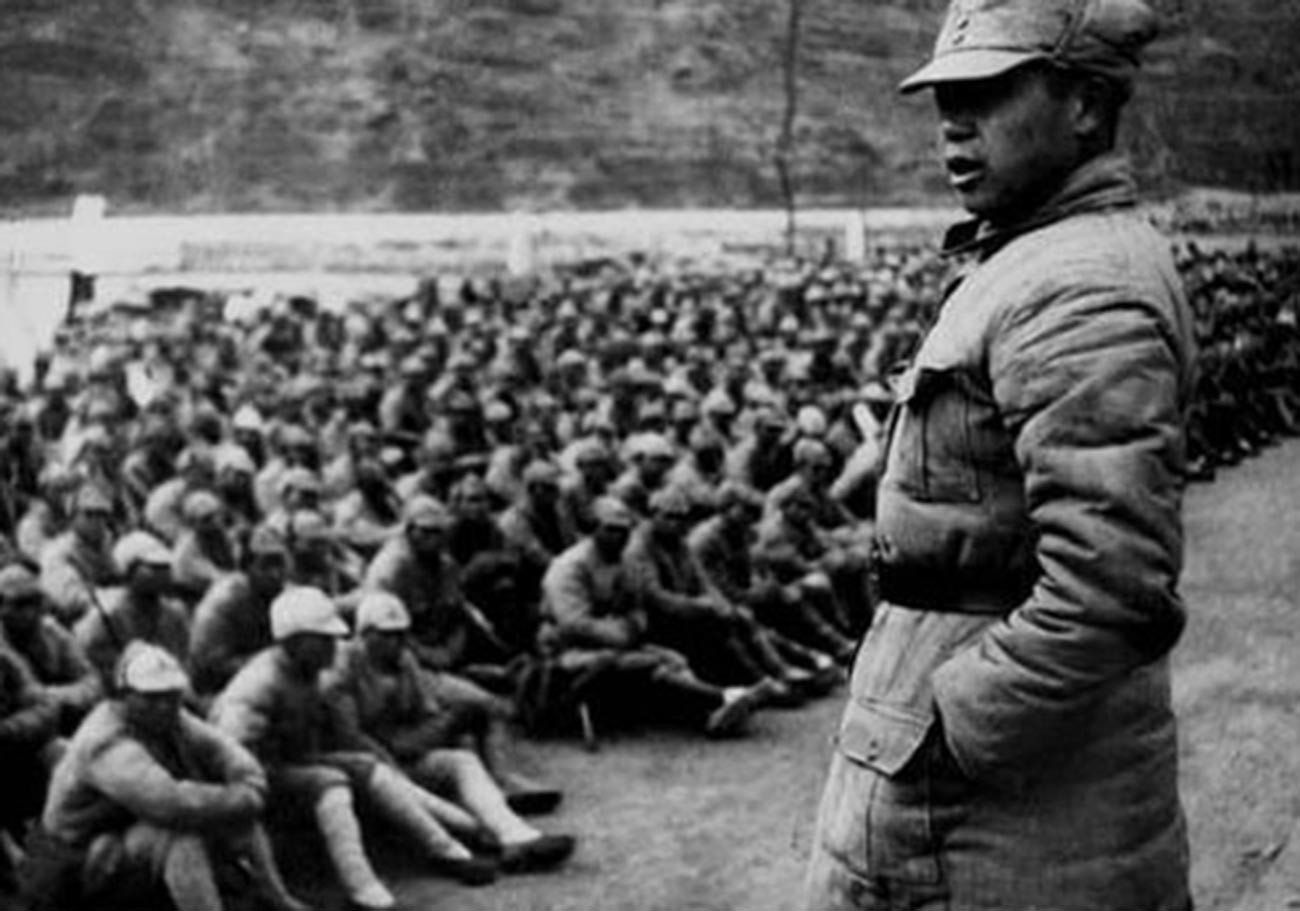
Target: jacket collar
<point>1105,182</point>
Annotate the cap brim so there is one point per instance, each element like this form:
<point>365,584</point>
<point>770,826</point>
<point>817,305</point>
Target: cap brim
<point>160,682</point>
<point>336,627</point>
<point>966,66</point>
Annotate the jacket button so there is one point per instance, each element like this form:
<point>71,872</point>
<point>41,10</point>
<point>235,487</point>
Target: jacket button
<point>873,750</point>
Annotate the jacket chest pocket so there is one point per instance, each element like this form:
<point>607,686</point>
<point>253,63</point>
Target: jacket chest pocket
<point>932,453</point>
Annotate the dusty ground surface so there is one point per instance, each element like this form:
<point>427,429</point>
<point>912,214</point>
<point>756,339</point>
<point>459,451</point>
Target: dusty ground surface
<point>669,823</point>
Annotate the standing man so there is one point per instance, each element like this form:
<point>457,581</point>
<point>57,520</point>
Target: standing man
<point>1009,743</point>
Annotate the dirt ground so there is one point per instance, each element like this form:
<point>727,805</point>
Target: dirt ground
<point>670,823</point>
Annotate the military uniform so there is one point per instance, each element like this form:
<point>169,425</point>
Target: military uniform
<point>231,625</point>
<point>71,571</point>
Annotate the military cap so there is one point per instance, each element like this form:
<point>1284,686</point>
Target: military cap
<point>703,438</point>
<point>17,581</point>
<point>650,446</point>
<point>981,39</point>
<point>437,444</point>
<point>295,435</point>
<point>811,421</point>
<point>248,417</point>
<point>199,505</point>
<point>305,609</point>
<point>717,402</point>
<point>876,392</point>
<point>233,457</point>
<point>54,478</point>
<point>772,418</point>
<point>412,367</point>
<point>193,457</point>
<point>461,361</point>
<point>540,472</point>
<point>811,452</point>
<point>670,501</point>
<point>139,547</point>
<point>460,400</point>
<point>146,668</point>
<point>612,512</point>
<point>498,412</point>
<point>309,526</point>
<point>589,450</point>
<point>571,357</point>
<point>652,409</point>
<point>685,410</point>
<point>300,479</point>
<point>423,511</point>
<point>382,611</point>
<point>360,429</point>
<point>266,541</point>
<point>91,498</point>
<point>733,492</point>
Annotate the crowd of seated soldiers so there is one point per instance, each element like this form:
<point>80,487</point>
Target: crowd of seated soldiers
<point>610,496</point>
<point>1248,338</point>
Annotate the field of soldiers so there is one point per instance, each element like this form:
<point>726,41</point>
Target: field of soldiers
<point>610,529</point>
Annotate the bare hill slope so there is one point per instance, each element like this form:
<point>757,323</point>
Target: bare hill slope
<point>322,105</point>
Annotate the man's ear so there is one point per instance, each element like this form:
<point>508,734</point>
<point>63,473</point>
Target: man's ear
<point>1093,110</point>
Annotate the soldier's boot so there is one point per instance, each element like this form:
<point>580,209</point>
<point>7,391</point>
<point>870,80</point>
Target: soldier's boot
<point>811,613</point>
<point>337,821</point>
<point>398,800</point>
<point>758,642</point>
<point>824,670</point>
<point>258,864</point>
<point>188,876</point>
<point>738,703</point>
<point>524,795</point>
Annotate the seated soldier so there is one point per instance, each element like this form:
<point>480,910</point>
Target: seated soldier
<point>794,549</point>
<point>814,474</point>
<point>316,556</point>
<point>149,796</point>
<point>472,531</point>
<point>702,472</point>
<point>536,530</point>
<point>595,634</point>
<point>144,611</point>
<point>382,703</point>
<point>204,551</point>
<point>276,708</point>
<point>233,621</point>
<point>163,510</point>
<point>55,662</point>
<point>448,634</point>
<point>78,562</point>
<point>652,457</point>
<point>29,726</point>
<point>723,546</point>
<point>369,514</point>
<point>48,514</point>
<point>721,641</point>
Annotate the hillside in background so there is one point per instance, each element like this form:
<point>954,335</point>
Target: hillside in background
<point>412,105</point>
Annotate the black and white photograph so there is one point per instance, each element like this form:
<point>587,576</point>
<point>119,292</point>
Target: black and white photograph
<point>661,455</point>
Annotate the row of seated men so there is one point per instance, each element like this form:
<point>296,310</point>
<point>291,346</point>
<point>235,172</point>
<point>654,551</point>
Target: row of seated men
<point>138,785</point>
<point>641,611</point>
